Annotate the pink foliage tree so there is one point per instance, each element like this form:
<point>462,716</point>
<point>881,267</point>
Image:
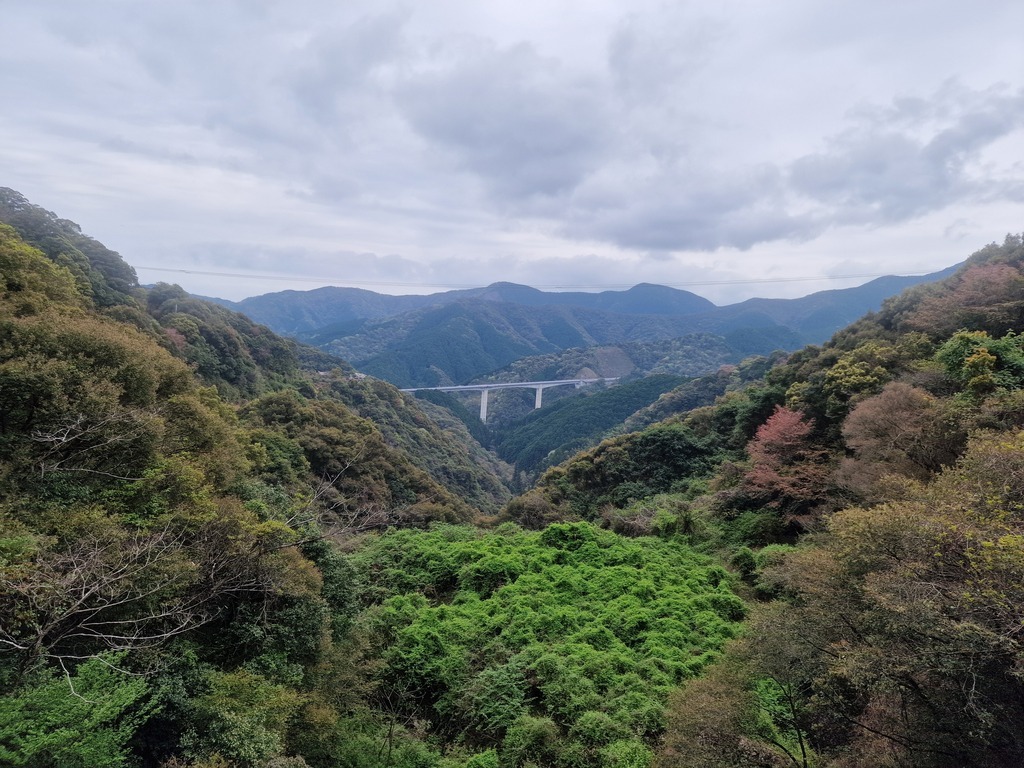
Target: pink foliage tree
<point>788,471</point>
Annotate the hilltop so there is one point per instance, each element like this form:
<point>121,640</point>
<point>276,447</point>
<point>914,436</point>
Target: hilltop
<point>297,312</point>
<point>243,362</point>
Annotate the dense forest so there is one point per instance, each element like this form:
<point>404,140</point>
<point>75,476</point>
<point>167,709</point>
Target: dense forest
<point>221,548</point>
<point>868,497</point>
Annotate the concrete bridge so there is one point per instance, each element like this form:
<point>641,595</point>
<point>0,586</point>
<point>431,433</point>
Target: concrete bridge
<point>483,389</point>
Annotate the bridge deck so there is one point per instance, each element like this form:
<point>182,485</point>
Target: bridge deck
<point>508,385</point>
<point>483,389</point>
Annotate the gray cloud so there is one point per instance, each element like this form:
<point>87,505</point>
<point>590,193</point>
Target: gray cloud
<point>676,137</point>
<point>513,118</point>
<point>652,56</point>
<point>692,208</point>
<point>914,157</point>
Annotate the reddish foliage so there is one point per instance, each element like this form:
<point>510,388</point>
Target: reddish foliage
<point>903,430</point>
<point>177,338</point>
<point>788,472</point>
<point>782,438</point>
<point>985,297</point>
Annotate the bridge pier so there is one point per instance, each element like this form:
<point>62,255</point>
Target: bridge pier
<point>537,386</point>
<point>538,401</point>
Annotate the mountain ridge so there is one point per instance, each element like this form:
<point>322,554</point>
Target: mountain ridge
<point>456,336</point>
<point>294,312</point>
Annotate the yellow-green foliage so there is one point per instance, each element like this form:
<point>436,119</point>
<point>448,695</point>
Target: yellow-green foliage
<point>565,641</point>
<point>907,614</point>
<point>130,521</point>
<point>30,280</point>
<point>359,472</point>
<point>445,454</point>
<point>624,469</point>
<point>168,596</point>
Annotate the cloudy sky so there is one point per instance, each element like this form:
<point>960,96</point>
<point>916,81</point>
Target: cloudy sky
<point>735,148</point>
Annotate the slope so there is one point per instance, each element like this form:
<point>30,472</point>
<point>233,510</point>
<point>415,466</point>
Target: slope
<point>869,492</point>
<point>189,575</point>
<point>458,342</point>
<point>244,360</point>
<point>453,336</point>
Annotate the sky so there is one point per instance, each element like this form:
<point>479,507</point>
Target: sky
<point>734,148</point>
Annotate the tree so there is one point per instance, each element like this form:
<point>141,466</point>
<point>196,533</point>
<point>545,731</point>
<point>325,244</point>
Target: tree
<point>982,364</point>
<point>910,617</point>
<point>30,281</point>
<point>712,722</point>
<point>983,297</point>
<point>77,721</point>
<point>788,471</point>
<point>904,431</point>
<point>243,717</point>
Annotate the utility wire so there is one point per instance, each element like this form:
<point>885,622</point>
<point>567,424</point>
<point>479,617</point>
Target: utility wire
<point>394,284</point>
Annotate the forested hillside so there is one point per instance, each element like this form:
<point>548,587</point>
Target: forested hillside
<point>187,578</point>
<point>870,494</point>
<point>171,477</point>
<point>555,433</point>
<point>219,548</point>
<point>458,342</point>
<point>690,355</point>
<point>300,312</point>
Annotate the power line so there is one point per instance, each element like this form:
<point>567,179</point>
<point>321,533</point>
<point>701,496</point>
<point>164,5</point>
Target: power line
<point>607,286</point>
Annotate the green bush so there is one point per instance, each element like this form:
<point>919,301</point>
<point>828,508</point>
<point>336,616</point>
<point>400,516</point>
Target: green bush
<point>626,754</point>
<point>552,644</point>
<point>84,721</point>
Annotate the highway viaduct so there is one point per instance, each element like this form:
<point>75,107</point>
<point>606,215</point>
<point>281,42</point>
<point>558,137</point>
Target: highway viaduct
<point>538,386</point>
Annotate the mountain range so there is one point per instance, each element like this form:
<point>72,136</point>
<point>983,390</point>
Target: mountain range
<point>457,336</point>
<point>297,312</point>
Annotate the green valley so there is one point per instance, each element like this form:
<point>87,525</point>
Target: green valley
<point>222,547</point>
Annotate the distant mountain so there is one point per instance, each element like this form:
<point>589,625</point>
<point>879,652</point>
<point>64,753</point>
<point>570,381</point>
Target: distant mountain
<point>817,316</point>
<point>642,299</point>
<point>464,340</point>
<point>297,312</point>
<point>455,336</point>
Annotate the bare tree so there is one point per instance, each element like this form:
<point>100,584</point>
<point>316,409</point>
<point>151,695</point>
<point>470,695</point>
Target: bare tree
<point>123,590</point>
<point>105,445</point>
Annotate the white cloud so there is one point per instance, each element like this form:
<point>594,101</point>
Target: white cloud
<point>916,156</point>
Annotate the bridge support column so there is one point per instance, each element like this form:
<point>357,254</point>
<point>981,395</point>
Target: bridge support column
<point>483,405</point>
<point>537,400</point>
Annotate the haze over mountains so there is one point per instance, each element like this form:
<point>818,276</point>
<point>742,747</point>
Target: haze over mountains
<point>456,336</point>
